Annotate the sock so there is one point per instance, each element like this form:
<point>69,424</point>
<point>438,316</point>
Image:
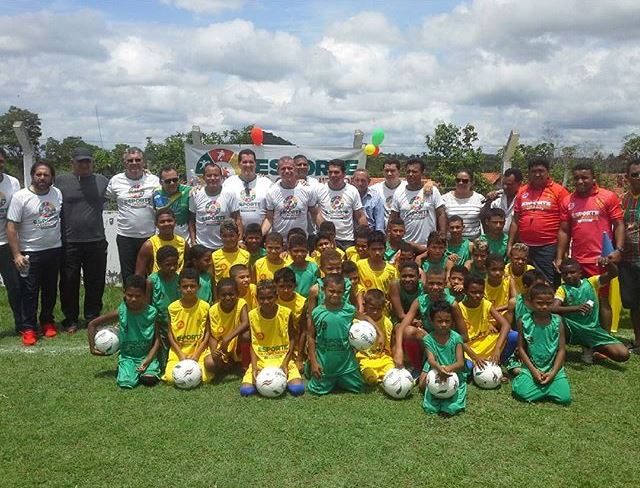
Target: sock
<point>414,353</point>
<point>245,354</point>
<point>247,390</point>
<point>296,389</point>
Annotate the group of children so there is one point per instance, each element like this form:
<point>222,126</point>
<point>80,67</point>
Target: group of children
<point>451,305</point>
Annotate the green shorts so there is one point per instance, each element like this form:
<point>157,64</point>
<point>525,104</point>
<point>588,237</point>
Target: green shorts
<point>129,377</point>
<point>526,389</point>
<point>593,336</point>
<point>451,406</point>
<point>351,382</point>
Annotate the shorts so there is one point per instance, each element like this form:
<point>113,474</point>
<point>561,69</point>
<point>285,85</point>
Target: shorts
<point>171,363</point>
<point>451,406</point>
<point>526,389</point>
<point>374,369</point>
<point>629,275</point>
<point>592,336</point>
<point>292,370</point>
<point>351,382</point>
<point>129,377</point>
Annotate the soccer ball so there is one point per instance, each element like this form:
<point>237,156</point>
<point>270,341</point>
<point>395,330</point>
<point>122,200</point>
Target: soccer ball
<point>187,374</point>
<point>106,341</point>
<point>362,335</point>
<point>442,388</point>
<point>397,383</point>
<point>488,377</point>
<point>271,382</point>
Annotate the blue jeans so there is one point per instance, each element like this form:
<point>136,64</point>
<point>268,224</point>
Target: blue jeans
<point>542,258</point>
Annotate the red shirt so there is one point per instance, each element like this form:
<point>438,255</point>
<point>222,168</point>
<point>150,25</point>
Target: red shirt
<point>588,218</point>
<point>538,213</point>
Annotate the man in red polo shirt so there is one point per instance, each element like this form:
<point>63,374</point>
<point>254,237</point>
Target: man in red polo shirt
<point>585,215</point>
<point>536,218</point>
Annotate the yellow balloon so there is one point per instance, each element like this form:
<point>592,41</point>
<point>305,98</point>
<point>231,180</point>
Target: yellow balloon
<point>369,149</point>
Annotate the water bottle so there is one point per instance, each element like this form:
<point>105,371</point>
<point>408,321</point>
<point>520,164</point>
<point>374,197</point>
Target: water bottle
<point>24,272</point>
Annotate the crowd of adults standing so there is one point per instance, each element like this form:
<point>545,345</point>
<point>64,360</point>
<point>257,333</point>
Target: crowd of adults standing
<point>52,231</point>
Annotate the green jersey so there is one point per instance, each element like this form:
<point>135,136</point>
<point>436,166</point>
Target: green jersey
<point>445,353</point>
<point>345,297</point>
<point>137,331</point>
<point>262,252</point>
<point>333,351</point>
<point>205,292</point>
<point>462,251</point>
<point>305,278</point>
<point>390,253</point>
<point>497,246</point>
<point>542,341</point>
<point>163,293</point>
<point>521,308</point>
<point>178,202</point>
<point>427,265</point>
<point>424,304</point>
<point>408,298</point>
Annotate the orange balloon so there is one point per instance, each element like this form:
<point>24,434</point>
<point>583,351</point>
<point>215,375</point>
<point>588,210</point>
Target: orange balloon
<point>257,135</point>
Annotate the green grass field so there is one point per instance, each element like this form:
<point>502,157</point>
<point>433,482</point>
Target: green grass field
<point>64,422</point>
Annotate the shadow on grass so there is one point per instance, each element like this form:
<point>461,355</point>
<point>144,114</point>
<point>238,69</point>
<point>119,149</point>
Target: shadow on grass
<point>108,373</point>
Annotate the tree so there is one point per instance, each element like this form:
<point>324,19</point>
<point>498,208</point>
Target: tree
<point>60,153</point>
<point>630,146</point>
<point>9,141</point>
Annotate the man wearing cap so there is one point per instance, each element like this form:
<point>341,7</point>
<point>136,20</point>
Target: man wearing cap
<point>84,243</point>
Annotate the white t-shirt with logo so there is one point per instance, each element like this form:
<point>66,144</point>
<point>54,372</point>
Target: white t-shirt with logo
<point>290,206</point>
<point>467,208</point>
<point>418,212</point>
<point>38,219</point>
<point>251,198</point>
<point>136,217</point>
<point>386,194</point>
<point>210,212</point>
<point>338,206</point>
<point>8,186</point>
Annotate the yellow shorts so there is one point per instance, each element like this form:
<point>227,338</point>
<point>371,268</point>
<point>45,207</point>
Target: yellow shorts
<point>173,360</point>
<point>484,346</point>
<point>292,373</point>
<point>374,369</point>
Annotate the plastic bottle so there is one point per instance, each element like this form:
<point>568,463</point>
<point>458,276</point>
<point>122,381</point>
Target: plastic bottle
<point>24,272</point>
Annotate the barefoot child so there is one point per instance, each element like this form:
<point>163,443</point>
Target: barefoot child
<point>375,363</point>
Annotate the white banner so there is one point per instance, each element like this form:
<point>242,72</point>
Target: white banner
<point>226,155</point>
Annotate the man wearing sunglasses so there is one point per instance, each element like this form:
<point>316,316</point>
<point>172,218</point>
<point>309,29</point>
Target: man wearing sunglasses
<point>175,196</point>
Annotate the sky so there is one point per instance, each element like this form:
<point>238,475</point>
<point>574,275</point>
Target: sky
<point>314,71</point>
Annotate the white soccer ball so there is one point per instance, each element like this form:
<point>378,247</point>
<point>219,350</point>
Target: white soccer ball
<point>488,377</point>
<point>442,388</point>
<point>397,383</point>
<point>106,341</point>
<point>271,382</point>
<point>187,374</point>
<point>362,335</point>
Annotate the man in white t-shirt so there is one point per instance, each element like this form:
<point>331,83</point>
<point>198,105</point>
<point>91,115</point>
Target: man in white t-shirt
<point>340,203</point>
<point>8,186</point>
<point>33,231</point>
<point>302,168</point>
<point>387,188</point>
<point>133,192</point>
<point>287,203</point>
<point>511,182</point>
<point>422,211</point>
<point>249,187</point>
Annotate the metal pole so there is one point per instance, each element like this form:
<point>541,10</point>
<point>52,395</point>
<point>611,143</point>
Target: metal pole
<point>28,151</point>
<point>358,137</point>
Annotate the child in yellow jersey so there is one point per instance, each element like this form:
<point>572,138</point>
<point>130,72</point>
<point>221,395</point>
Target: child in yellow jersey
<point>285,280</point>
<point>518,264</point>
<point>166,223</point>
<point>322,244</point>
<point>266,267</point>
<point>246,289</point>
<point>483,344</point>
<point>230,253</point>
<point>229,327</point>
<point>360,249</point>
<point>375,272</point>
<point>188,326</point>
<point>499,289</point>
<point>374,364</point>
<point>272,343</point>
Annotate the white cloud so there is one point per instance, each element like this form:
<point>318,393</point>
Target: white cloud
<point>206,6</point>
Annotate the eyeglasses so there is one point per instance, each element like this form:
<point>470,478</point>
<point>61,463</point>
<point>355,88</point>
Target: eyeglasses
<point>170,180</point>
<point>634,175</point>
<point>134,160</point>
<point>462,180</point>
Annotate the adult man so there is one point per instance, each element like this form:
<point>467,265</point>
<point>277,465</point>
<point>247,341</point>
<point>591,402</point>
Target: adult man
<point>133,192</point>
<point>340,203</point>
<point>84,244</point>
<point>387,188</point>
<point>511,181</point>
<point>630,265</point>
<point>422,211</point>
<point>175,196</point>
<point>585,215</point>
<point>302,168</point>
<point>536,218</point>
<point>249,187</point>
<point>8,186</point>
<point>287,203</point>
<point>371,201</point>
<point>33,231</point>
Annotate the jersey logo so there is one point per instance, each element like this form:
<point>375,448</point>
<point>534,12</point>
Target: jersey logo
<point>136,191</point>
<point>259,336</point>
<point>247,196</point>
<point>46,210</point>
<point>180,325</point>
<point>3,199</point>
<point>336,202</point>
<point>290,203</point>
<point>212,208</point>
<point>416,203</point>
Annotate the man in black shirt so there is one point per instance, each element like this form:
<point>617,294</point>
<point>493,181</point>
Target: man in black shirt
<point>84,243</point>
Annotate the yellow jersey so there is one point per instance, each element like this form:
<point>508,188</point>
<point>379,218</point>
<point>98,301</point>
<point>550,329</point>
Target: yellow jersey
<point>270,337</point>
<point>378,279</point>
<point>297,307</point>
<point>223,260</point>
<point>498,295</point>
<point>250,297</point>
<point>315,257</point>
<point>265,270</point>
<point>351,254</point>
<point>478,322</point>
<point>387,327</point>
<point>177,242</point>
<point>517,279</point>
<point>188,326</point>
<point>221,322</point>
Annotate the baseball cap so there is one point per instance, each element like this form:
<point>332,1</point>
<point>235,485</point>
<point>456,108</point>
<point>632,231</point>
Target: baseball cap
<point>82,153</point>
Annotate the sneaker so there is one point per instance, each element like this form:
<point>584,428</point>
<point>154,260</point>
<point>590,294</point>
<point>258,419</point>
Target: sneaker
<point>49,330</point>
<point>72,328</point>
<point>587,355</point>
<point>29,337</point>
<point>634,348</point>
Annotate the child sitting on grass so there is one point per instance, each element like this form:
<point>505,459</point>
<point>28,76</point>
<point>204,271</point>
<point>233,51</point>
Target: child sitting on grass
<point>444,354</point>
<point>200,260</point>
<point>375,363</point>
<point>518,264</point>
<point>265,267</point>
<point>138,335</point>
<point>541,348</point>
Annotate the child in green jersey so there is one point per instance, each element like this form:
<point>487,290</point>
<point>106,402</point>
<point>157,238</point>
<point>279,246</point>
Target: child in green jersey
<point>435,253</point>
<point>457,274</point>
<point>306,271</point>
<point>138,334</point>
<point>496,238</point>
<point>332,362</point>
<point>200,260</point>
<point>404,291</point>
<point>395,238</point>
<point>253,242</point>
<point>458,248</point>
<point>477,265</point>
<point>541,347</point>
<point>445,355</point>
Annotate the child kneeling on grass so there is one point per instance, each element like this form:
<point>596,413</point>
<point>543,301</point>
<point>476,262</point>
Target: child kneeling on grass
<point>541,347</point>
<point>188,327</point>
<point>138,334</point>
<point>445,355</point>
<point>272,341</point>
<point>332,362</point>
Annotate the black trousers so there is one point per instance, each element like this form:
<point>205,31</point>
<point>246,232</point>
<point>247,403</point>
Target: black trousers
<point>128,249</point>
<point>91,259</point>
<point>11,280</point>
<point>42,280</point>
